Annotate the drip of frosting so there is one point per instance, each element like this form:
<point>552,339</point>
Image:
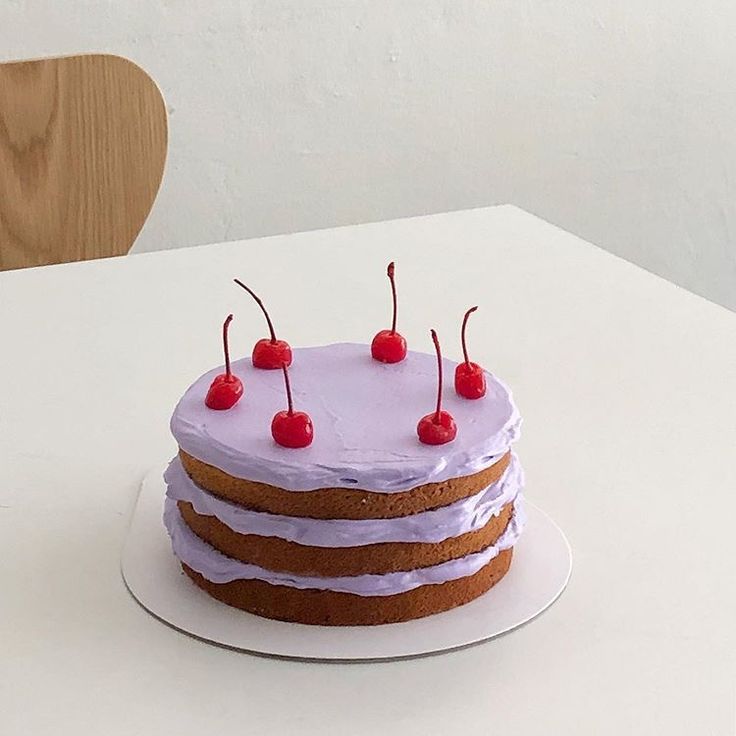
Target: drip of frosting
<point>218,568</point>
<point>364,415</point>
<point>457,518</point>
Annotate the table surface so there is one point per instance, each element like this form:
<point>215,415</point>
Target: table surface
<point>628,388</point>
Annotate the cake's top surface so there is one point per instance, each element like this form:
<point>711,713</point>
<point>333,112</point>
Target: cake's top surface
<point>365,415</point>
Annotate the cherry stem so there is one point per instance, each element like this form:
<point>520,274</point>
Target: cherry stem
<point>436,342</point>
<point>462,334</point>
<point>390,273</point>
<point>288,388</point>
<point>225,327</point>
<point>260,304</point>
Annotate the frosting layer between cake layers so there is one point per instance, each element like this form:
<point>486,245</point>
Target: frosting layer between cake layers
<point>218,568</point>
<point>364,414</point>
<point>461,517</point>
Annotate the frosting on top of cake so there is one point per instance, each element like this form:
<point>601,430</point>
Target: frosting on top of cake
<point>365,415</point>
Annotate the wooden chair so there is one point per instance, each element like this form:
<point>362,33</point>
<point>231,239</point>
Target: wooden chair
<point>82,150</point>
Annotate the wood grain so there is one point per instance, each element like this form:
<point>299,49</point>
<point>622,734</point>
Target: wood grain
<point>82,150</point>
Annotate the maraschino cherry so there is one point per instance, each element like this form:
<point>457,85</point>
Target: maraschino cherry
<point>470,380</point>
<point>389,346</point>
<point>291,428</point>
<point>438,427</point>
<point>227,388</point>
<point>268,353</point>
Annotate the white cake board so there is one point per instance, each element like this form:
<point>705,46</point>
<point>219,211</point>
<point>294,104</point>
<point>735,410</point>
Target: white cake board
<point>539,573</point>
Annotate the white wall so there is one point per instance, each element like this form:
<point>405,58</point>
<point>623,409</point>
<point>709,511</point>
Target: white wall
<point>613,118</point>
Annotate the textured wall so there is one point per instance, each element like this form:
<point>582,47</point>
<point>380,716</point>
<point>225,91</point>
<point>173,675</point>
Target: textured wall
<point>612,119</point>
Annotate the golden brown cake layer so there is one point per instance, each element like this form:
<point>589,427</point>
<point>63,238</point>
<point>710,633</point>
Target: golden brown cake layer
<point>339,503</point>
<point>329,608</point>
<point>273,553</point>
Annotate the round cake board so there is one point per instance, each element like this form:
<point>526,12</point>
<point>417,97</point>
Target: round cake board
<point>539,573</point>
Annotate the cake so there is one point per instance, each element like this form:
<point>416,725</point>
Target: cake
<point>365,525</point>
<point>350,512</point>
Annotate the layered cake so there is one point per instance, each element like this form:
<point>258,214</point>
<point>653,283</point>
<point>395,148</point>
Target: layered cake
<point>352,513</point>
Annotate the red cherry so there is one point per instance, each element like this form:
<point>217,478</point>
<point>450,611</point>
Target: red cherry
<point>226,390</point>
<point>268,353</point>
<point>389,346</point>
<point>438,427</point>
<point>470,379</point>
<point>434,431</point>
<point>291,428</point>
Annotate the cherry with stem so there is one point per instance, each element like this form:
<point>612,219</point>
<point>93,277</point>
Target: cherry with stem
<point>293,429</point>
<point>268,353</point>
<point>437,428</point>
<point>470,379</point>
<point>389,346</point>
<point>226,389</point>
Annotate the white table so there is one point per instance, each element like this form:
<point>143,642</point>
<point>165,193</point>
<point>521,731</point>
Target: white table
<point>628,388</point>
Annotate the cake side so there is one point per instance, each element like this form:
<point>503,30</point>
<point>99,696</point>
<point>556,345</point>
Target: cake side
<point>328,608</point>
<point>340,503</point>
<point>345,546</point>
<point>429,525</point>
<point>220,568</point>
<point>274,553</point>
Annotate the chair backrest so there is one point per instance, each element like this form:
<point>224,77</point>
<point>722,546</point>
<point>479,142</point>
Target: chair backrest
<point>82,151</point>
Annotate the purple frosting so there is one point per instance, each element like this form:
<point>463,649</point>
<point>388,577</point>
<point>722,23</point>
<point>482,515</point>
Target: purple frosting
<point>218,568</point>
<point>364,413</point>
<point>457,518</point>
